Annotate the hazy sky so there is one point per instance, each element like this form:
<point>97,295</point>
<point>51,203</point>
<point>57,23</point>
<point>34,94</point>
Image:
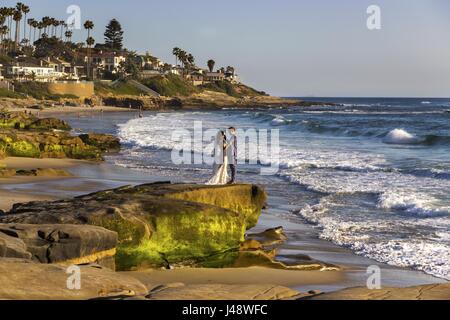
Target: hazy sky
<point>287,47</point>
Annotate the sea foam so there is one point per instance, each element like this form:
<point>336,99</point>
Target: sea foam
<point>400,136</point>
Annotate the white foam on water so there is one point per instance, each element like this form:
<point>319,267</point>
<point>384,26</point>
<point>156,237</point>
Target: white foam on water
<point>384,240</point>
<point>400,136</point>
<point>405,207</point>
<point>412,203</point>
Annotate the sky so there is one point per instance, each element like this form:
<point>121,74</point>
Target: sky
<point>319,48</point>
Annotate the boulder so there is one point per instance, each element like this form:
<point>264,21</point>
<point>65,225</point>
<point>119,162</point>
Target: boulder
<point>48,124</point>
<point>104,142</point>
<point>11,247</point>
<point>59,243</point>
<point>269,237</point>
<point>27,280</point>
<point>158,224</point>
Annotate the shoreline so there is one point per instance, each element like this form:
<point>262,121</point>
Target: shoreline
<point>352,273</point>
<point>88,177</point>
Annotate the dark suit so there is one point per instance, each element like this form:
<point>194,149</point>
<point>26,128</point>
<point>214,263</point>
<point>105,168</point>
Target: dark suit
<point>233,158</point>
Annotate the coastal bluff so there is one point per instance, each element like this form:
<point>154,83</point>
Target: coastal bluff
<point>157,225</point>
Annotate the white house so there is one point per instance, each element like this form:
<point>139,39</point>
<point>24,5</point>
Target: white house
<point>29,71</point>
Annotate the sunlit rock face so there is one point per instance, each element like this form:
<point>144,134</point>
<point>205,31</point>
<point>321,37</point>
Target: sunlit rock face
<point>158,225</point>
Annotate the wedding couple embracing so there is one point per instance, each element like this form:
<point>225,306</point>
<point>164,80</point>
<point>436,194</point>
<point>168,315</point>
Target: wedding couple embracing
<point>225,158</point>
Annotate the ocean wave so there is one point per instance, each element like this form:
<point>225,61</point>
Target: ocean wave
<point>388,241</point>
<point>400,136</point>
<point>280,120</point>
<point>411,204</point>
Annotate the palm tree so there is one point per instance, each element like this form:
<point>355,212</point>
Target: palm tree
<point>40,26</point>
<point>55,24</point>
<point>68,35</point>
<point>45,23</point>
<point>63,25</point>
<point>88,25</point>
<point>3,33</point>
<point>211,63</point>
<point>10,14</point>
<point>176,52</point>
<point>17,18</point>
<point>30,27</point>
<point>25,11</point>
<point>182,57</point>
<point>35,26</point>
<point>90,42</point>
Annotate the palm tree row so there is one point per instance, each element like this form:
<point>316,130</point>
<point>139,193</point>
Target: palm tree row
<point>37,29</point>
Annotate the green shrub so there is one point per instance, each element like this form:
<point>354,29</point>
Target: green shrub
<point>170,85</point>
<point>5,93</point>
<point>123,88</point>
<point>221,86</point>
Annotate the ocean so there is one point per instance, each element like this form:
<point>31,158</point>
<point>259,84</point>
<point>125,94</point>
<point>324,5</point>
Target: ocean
<point>371,175</point>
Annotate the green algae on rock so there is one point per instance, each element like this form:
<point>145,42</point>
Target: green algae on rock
<point>48,124</point>
<point>158,225</point>
<point>104,142</point>
<point>38,144</point>
<point>17,120</point>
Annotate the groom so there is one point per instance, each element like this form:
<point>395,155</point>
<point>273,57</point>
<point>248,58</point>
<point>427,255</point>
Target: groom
<point>232,154</point>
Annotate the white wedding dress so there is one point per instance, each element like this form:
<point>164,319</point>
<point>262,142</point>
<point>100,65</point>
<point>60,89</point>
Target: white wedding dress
<point>220,172</point>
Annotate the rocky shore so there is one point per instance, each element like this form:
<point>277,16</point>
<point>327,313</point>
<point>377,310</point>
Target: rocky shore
<point>153,241</point>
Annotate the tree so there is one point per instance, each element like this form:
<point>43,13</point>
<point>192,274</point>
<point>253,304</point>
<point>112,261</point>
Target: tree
<point>211,64</point>
<point>25,11</point>
<point>17,17</point>
<point>114,35</point>
<point>30,23</point>
<point>176,52</point>
<point>88,25</point>
<point>68,35</point>
<point>129,66</point>
<point>90,42</point>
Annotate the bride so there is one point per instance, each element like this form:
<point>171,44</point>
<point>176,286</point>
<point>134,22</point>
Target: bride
<point>220,171</point>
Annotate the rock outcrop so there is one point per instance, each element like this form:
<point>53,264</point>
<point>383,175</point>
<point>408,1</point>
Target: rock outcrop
<point>222,292</point>
<point>37,144</point>
<point>27,280</point>
<point>425,292</point>
<point>17,120</point>
<point>58,243</point>
<point>39,172</point>
<point>24,135</point>
<point>48,124</point>
<point>104,142</point>
<point>158,224</point>
<point>261,249</point>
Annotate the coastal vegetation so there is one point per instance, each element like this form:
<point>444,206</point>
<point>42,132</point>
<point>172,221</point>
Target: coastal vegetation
<point>35,51</point>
